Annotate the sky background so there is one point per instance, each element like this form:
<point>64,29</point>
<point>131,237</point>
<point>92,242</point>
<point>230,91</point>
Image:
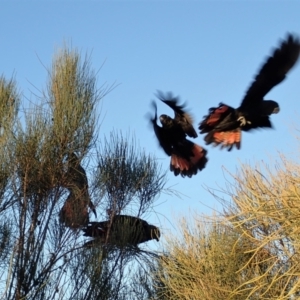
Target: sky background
<point>204,51</point>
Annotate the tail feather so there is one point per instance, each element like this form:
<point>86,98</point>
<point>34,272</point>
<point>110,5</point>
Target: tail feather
<point>226,139</point>
<point>179,164</point>
<point>199,159</point>
<point>188,165</point>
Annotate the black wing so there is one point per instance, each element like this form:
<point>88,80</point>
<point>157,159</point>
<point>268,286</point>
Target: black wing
<point>126,219</point>
<point>119,219</point>
<point>273,71</point>
<point>160,133</point>
<point>181,116</point>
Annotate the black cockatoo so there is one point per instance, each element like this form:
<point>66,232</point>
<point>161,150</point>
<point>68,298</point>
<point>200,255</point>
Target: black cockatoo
<point>121,230</point>
<point>74,213</point>
<point>186,157</point>
<point>223,124</point>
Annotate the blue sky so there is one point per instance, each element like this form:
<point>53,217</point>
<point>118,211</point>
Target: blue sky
<point>204,51</point>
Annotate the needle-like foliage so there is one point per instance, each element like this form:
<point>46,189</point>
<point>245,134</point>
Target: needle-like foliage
<point>127,177</point>
<point>33,173</point>
<point>128,180</point>
<point>200,262</point>
<point>251,251</point>
<point>265,210</point>
<point>46,191</point>
<point>73,95</point>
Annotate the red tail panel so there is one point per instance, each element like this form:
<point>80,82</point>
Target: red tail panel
<point>199,153</point>
<point>179,163</point>
<point>228,139</point>
<point>189,166</point>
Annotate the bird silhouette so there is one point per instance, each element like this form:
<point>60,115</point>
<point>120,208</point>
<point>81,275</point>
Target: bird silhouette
<point>121,230</point>
<point>186,157</point>
<point>223,124</point>
<point>74,213</point>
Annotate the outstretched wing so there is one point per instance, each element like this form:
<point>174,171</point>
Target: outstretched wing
<point>160,133</point>
<point>181,116</point>
<point>273,71</point>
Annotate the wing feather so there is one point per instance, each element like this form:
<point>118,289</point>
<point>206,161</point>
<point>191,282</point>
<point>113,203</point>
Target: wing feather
<point>273,71</point>
<point>181,116</point>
